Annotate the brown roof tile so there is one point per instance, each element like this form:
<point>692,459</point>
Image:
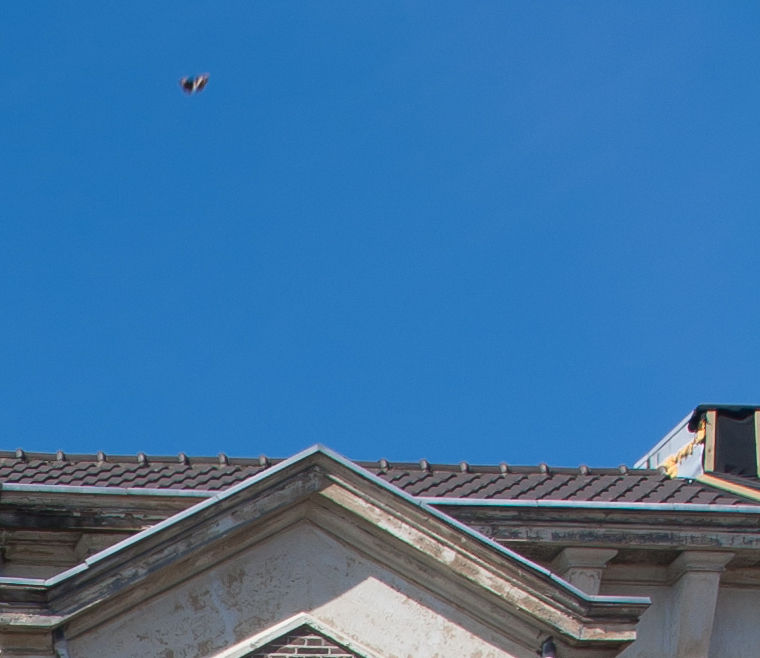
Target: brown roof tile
<point>418,479</point>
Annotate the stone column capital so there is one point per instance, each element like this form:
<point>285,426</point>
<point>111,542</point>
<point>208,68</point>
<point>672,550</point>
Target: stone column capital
<point>693,561</point>
<point>583,566</point>
<point>580,557</point>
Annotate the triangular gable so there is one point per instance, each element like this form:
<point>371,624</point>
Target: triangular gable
<point>287,637</point>
<point>303,642</point>
<point>322,488</point>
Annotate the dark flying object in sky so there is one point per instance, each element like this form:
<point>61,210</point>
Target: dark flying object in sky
<point>194,83</point>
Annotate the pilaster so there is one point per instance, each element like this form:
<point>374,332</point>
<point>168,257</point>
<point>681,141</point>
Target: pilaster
<point>694,595</point>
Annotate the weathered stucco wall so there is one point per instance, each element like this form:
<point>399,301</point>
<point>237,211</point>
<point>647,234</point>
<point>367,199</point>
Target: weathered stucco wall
<point>736,630</point>
<point>651,632</point>
<point>300,569</point>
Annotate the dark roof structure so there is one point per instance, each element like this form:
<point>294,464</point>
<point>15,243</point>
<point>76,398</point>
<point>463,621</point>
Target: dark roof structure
<point>422,479</point>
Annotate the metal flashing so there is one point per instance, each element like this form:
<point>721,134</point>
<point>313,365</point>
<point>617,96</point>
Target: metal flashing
<point>599,504</point>
<point>644,462</point>
<point>107,491</point>
<point>732,487</point>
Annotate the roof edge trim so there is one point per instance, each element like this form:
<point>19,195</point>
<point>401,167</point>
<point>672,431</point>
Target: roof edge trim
<point>111,491</point>
<point>601,504</point>
<point>732,487</point>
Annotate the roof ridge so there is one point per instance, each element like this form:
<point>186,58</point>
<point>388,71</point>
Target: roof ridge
<point>139,457</point>
<point>263,460</point>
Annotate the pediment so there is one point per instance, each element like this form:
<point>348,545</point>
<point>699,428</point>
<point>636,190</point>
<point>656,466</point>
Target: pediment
<point>306,638</point>
<point>291,636</point>
<point>402,545</point>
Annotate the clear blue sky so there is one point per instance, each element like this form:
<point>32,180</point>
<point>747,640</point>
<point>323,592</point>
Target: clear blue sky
<point>453,230</point>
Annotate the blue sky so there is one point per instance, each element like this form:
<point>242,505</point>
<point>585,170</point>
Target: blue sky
<point>454,230</point>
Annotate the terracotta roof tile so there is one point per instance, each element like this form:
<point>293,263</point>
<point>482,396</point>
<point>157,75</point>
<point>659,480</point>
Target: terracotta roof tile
<point>529,486</point>
<point>597,487</point>
<point>663,492</point>
<point>433,484</point>
<point>643,487</point>
<point>513,486</point>
<point>418,479</point>
<point>486,486</point>
<point>685,494</point>
<point>549,486</point>
<point>572,488</point>
<point>616,487</point>
<point>494,487</point>
<point>462,485</point>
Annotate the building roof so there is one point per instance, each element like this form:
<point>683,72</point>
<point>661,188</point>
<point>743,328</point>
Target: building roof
<point>316,498</point>
<point>422,479</point>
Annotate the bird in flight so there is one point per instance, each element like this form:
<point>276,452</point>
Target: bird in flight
<point>194,83</point>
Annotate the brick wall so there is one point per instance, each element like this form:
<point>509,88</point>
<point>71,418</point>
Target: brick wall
<point>303,642</point>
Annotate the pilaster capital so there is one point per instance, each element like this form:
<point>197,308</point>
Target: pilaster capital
<point>692,561</point>
<point>584,558</point>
